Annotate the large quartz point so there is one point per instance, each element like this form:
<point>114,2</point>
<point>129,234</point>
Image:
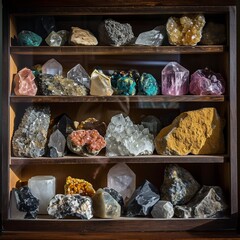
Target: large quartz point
<point>175,79</point>
<point>62,206</point>
<point>142,200</point>
<point>148,85</point>
<point>122,179</point>
<point>105,206</point>
<point>30,138</point>
<point>57,144</point>
<point>126,139</point>
<point>162,209</point>
<point>79,75</point>
<point>186,30</point>
<point>115,33</point>
<point>152,123</point>
<point>178,186</point>
<point>24,83</point>
<point>28,38</point>
<point>52,67</point>
<point>193,132</point>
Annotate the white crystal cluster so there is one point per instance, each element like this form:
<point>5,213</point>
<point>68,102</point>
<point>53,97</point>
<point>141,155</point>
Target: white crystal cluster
<point>124,138</point>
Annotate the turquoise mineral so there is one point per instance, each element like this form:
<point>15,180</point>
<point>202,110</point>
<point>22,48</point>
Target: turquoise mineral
<point>28,38</point>
<point>126,86</point>
<point>148,85</point>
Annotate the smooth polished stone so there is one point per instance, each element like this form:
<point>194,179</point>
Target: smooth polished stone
<point>52,67</point>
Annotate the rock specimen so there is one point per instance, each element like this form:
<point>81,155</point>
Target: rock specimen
<point>142,200</point>
<point>82,37</point>
<point>85,142</point>
<point>206,82</point>
<point>79,75</point>
<point>78,186</point>
<point>185,30</point>
<point>26,202</point>
<point>24,83</point>
<point>126,139</point>
<point>178,186</point>
<point>175,79</point>
<point>105,206</point>
<point>115,33</point>
<point>30,138</point>
<point>57,144</point>
<point>162,209</point>
<point>52,67</point>
<point>56,39</point>
<point>28,38</point>
<point>100,84</point>
<point>192,132</point>
<point>208,202</point>
<point>152,123</point>
<point>62,206</point>
<point>148,85</point>
<point>121,178</point>
<point>48,23</point>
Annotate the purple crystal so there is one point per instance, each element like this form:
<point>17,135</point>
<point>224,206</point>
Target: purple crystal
<point>175,79</point>
<point>206,82</point>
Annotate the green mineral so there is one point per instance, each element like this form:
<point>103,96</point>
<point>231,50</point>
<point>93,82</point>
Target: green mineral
<point>148,85</point>
<point>28,38</point>
<point>126,86</point>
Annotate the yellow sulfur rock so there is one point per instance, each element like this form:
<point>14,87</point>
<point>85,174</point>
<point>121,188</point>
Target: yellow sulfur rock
<point>193,132</point>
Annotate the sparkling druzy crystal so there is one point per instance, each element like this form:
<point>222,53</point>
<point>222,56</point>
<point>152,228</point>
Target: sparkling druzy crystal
<point>79,75</point>
<point>28,38</point>
<point>62,206</point>
<point>175,79</point>
<point>57,144</point>
<point>186,30</point>
<point>122,179</point>
<point>30,138</point>
<point>152,123</point>
<point>162,209</point>
<point>52,67</point>
<point>125,138</point>
<point>148,85</point>
<point>206,82</point>
<point>24,83</point>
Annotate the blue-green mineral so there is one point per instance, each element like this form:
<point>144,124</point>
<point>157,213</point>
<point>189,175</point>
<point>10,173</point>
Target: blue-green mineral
<point>126,86</point>
<point>148,85</point>
<point>28,38</point>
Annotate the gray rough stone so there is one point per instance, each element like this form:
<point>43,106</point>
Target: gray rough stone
<point>162,209</point>
<point>183,211</point>
<point>57,144</point>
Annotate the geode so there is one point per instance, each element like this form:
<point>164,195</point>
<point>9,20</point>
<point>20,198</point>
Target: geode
<point>30,138</point>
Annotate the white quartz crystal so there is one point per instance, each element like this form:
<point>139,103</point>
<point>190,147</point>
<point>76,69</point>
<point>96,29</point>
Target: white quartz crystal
<point>52,67</point>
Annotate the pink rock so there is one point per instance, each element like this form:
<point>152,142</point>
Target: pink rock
<point>24,83</point>
<point>206,82</point>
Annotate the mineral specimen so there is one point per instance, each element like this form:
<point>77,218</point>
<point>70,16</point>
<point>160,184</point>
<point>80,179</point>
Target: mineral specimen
<point>178,186</point>
<point>162,209</point>
<point>24,83</point>
<point>105,206</point>
<point>78,186</point>
<point>175,79</point>
<point>57,144</point>
<point>152,123</point>
<point>28,38</point>
<point>122,179</point>
<point>30,138</point>
<point>52,67</point>
<point>148,85</point>
<point>26,202</point>
<point>54,39</point>
<point>79,75</point>
<point>142,200</point>
<point>115,33</point>
<point>183,211</point>
<point>196,132</point>
<point>206,82</point>
<point>62,206</point>
<point>36,69</point>
<point>100,84</point>
<point>125,138</point>
<point>48,23</point>
<point>82,37</point>
<point>85,142</point>
<point>186,30</point>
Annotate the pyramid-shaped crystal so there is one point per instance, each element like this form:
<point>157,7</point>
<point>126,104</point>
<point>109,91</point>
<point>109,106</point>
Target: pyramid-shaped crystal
<point>52,67</point>
<point>121,178</point>
<point>175,79</point>
<point>79,75</point>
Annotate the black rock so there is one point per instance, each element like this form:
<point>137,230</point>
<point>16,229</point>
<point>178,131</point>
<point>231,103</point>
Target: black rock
<point>42,85</point>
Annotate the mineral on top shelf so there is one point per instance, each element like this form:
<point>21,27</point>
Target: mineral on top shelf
<point>56,39</point>
<point>28,38</point>
<point>52,67</point>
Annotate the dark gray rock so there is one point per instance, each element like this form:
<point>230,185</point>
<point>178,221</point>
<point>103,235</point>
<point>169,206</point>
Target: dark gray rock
<point>162,209</point>
<point>57,144</point>
<point>183,211</point>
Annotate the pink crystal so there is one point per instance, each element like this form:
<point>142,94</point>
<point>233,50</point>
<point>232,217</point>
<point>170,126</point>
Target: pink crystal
<point>24,83</point>
<point>206,82</point>
<point>175,79</point>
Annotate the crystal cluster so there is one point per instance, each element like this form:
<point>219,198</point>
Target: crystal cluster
<point>125,138</point>
<point>185,30</point>
<point>148,85</point>
<point>28,38</point>
<point>30,138</point>
<point>56,39</point>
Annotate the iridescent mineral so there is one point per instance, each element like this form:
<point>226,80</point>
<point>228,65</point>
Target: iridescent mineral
<point>178,186</point>
<point>162,209</point>
<point>175,79</point>
<point>186,30</point>
<point>28,38</point>
<point>125,138</point>
<point>54,39</point>
<point>30,138</point>
<point>62,206</point>
<point>52,67</point>
<point>152,123</point>
<point>24,83</point>
<point>148,85</point>
<point>57,144</point>
<point>206,82</point>
<point>122,179</point>
<point>85,142</point>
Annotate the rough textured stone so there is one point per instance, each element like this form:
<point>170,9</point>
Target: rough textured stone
<point>152,123</point>
<point>30,138</point>
<point>183,211</point>
<point>105,206</point>
<point>192,132</point>
<point>57,144</point>
<point>178,186</point>
<point>28,38</point>
<point>162,209</point>
<point>52,67</point>
<point>148,85</point>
